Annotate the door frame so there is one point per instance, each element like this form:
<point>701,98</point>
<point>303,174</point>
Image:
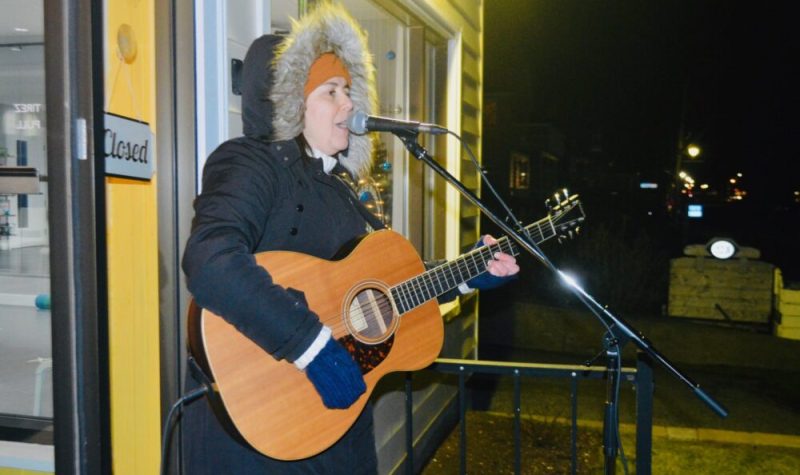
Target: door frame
<point>74,98</point>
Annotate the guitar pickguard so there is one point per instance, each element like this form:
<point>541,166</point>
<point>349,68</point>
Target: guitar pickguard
<point>367,356</point>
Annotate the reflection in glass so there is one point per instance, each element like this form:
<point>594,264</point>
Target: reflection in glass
<point>26,405</point>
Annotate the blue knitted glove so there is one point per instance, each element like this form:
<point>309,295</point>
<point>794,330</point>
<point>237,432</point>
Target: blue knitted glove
<point>336,376</point>
<point>487,280</point>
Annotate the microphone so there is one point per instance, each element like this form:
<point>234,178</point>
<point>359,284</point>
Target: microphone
<point>360,123</point>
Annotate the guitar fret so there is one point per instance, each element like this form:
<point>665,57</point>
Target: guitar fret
<point>435,279</point>
<point>425,290</point>
<point>393,295</point>
<point>457,278</point>
<point>406,300</point>
<point>443,278</point>
<point>397,295</point>
<point>474,266</point>
<point>431,286</point>
<point>440,280</point>
<point>480,265</point>
<point>414,293</point>
<point>422,288</point>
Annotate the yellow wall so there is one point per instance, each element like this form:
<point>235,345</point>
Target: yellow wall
<point>132,253</point>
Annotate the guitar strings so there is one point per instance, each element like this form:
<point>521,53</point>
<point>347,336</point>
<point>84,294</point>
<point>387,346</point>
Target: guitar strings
<point>412,292</point>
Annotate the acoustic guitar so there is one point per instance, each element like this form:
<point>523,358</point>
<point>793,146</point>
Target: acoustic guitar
<point>381,304</point>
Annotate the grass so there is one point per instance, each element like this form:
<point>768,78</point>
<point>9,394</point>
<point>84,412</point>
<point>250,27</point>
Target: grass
<point>545,450</point>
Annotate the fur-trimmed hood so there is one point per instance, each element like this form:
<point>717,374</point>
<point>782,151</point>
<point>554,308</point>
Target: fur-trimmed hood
<point>326,28</point>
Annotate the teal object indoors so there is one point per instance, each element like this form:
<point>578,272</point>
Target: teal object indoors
<point>43,301</point>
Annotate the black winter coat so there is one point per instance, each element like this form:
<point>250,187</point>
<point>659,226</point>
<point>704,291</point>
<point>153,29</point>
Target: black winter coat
<point>260,196</point>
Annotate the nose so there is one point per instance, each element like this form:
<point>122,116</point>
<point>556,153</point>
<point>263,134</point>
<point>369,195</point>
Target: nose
<point>347,103</point>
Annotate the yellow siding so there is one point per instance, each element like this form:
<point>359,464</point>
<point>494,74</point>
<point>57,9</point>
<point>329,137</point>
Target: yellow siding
<point>133,256</point>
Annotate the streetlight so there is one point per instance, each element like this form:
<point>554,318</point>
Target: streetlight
<point>681,180</point>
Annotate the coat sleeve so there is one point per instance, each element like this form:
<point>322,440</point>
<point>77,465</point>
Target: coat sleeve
<point>239,190</point>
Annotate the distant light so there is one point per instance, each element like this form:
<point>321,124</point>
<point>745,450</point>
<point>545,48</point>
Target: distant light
<point>704,186</point>
<point>645,185</point>
<point>20,29</point>
<point>682,174</point>
<point>733,181</point>
<point>695,211</point>
<point>739,175</point>
<point>693,150</point>
<point>797,193</point>
<point>649,213</point>
<point>722,248</point>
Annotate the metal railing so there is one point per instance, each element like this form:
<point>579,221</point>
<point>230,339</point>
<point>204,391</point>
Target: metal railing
<point>641,377</point>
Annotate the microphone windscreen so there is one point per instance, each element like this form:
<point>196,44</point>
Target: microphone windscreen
<point>357,122</point>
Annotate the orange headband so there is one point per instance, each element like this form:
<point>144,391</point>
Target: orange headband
<point>328,65</point>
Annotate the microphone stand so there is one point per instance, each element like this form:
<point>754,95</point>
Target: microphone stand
<point>618,331</point>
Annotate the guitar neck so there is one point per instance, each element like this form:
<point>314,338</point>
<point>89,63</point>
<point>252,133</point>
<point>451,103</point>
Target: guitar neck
<point>441,279</point>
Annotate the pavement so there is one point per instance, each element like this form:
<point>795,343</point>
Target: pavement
<point>752,374</point>
<point>685,434</point>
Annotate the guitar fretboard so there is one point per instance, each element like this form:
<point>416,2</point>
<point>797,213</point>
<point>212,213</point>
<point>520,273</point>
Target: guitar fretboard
<point>441,279</point>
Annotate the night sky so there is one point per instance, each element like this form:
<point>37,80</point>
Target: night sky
<point>636,71</point>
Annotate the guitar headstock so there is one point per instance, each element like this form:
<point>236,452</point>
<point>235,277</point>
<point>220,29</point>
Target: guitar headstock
<point>566,214</point>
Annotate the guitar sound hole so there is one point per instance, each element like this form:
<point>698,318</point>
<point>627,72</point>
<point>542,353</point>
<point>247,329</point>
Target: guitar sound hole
<point>371,316</point>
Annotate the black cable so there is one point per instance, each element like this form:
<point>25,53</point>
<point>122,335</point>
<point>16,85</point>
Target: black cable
<point>616,411</point>
<point>485,179</point>
<point>586,300</point>
<point>172,418</point>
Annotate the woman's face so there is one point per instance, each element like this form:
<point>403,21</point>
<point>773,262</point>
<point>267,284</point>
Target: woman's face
<point>327,108</point>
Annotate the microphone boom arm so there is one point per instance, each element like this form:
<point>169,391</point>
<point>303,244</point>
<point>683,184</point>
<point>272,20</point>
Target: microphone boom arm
<point>612,322</point>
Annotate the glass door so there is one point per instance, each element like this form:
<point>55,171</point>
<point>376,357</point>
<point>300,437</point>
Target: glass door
<point>51,365</point>
<point>26,396</point>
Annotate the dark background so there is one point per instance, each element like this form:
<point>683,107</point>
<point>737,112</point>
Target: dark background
<point>612,89</point>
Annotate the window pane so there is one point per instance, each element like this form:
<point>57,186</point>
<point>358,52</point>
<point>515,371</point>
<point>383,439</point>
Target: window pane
<point>26,405</point>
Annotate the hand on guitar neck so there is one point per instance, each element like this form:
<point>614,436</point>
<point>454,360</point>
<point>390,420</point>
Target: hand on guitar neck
<point>499,271</point>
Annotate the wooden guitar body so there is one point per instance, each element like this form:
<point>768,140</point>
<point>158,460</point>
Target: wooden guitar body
<point>272,404</point>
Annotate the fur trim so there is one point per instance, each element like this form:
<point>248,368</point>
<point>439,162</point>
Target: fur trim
<point>327,28</point>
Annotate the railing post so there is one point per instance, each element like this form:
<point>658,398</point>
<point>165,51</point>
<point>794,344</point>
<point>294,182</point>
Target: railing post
<point>462,419</point>
<point>574,431</point>
<point>644,413</point>
<point>517,423</point>
<point>409,425</point>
